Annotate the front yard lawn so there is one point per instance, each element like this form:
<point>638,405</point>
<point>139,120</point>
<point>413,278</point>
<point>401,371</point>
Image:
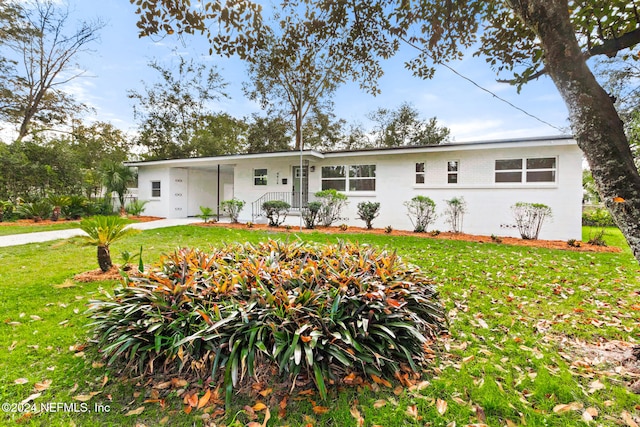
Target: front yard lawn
<point>531,332</point>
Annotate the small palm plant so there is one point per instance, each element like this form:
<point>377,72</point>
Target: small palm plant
<point>102,231</point>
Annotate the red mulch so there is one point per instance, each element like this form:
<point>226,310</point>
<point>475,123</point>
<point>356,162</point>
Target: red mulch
<point>30,222</point>
<point>549,244</point>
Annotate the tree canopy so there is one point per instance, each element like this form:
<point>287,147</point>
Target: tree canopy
<point>526,38</point>
<point>38,59</point>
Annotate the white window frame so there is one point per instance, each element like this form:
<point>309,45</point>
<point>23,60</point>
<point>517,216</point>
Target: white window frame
<point>525,170</point>
<point>421,174</point>
<point>155,195</point>
<point>348,179</point>
<point>451,173</point>
<point>260,180</point>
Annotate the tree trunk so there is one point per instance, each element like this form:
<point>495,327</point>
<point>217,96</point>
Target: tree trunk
<point>104,258</point>
<point>594,119</point>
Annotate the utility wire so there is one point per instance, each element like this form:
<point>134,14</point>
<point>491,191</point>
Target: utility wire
<point>482,88</point>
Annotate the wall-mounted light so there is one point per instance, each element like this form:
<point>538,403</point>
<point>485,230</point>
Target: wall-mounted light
<point>312,168</point>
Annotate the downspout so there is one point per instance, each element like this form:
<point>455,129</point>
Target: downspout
<point>218,204</point>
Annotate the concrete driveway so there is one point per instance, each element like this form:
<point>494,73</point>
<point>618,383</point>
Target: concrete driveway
<point>45,236</point>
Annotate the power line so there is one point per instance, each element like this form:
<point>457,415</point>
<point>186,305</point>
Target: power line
<point>483,88</point>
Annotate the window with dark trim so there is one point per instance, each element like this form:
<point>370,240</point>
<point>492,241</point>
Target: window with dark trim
<point>420,173</point>
<point>539,169</point>
<point>156,189</point>
<point>452,171</point>
<point>259,177</point>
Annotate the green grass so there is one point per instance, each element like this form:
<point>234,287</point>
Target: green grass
<point>509,310</point>
<point>6,230</point>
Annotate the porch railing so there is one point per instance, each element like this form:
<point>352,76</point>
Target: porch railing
<point>291,197</point>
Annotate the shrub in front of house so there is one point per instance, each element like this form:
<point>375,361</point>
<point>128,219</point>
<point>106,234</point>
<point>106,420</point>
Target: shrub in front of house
<point>207,215</point>
<point>599,217</point>
<point>36,210</point>
<point>456,208</point>
<point>136,207</point>
<point>422,212</point>
<point>529,218</point>
<point>332,204</point>
<point>319,310</point>
<point>310,214</point>
<point>6,210</point>
<point>276,211</point>
<point>232,208</point>
<point>368,211</point>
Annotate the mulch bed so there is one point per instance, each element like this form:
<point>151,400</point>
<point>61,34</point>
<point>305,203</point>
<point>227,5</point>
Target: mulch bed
<point>32,223</point>
<point>548,244</point>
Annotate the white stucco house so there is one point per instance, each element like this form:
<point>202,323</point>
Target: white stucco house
<point>491,176</point>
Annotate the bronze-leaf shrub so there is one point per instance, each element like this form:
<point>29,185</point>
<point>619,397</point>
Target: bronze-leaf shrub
<point>319,310</point>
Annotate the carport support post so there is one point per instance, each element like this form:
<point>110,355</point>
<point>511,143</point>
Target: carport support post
<point>218,204</point>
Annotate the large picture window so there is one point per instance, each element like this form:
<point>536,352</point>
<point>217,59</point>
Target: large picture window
<point>351,178</point>
<point>334,177</point>
<point>259,177</point>
<point>155,189</point>
<point>542,169</point>
<point>362,178</point>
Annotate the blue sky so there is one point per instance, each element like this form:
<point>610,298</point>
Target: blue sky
<point>119,63</point>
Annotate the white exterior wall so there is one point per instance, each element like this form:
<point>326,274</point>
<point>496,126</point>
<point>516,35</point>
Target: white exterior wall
<point>277,170</point>
<point>183,190</point>
<point>156,206</point>
<point>186,188</point>
<point>488,203</point>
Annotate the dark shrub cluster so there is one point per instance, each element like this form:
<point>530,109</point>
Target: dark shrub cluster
<point>319,310</point>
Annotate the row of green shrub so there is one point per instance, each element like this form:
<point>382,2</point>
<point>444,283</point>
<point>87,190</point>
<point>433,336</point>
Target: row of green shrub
<point>55,207</point>
<point>324,311</point>
<point>599,217</point>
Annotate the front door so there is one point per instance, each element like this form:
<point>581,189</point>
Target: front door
<point>300,186</point>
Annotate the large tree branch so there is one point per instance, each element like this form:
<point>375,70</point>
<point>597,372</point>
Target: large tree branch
<point>611,47</point>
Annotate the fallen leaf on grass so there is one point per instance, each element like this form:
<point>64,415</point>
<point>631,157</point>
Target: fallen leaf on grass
<point>34,396</point>
<point>320,409</point>
<point>21,381</point>
<point>627,418</point>
<point>259,406</point>
<point>282,411</point>
<point>595,385</point>
<point>589,414</point>
<point>66,284</point>
<point>379,403</point>
<point>376,379</point>
<point>136,411</point>
<point>35,317</point>
<point>412,411</point>
<point>441,406</point>
<point>355,413</point>
<point>83,397</point>
<point>191,400</point>
<point>266,392</point>
<point>42,386</point>
<point>13,346</point>
<point>204,399</point>
<point>562,408</point>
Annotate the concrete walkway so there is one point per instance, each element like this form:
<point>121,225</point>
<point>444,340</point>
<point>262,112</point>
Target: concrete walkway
<point>45,236</point>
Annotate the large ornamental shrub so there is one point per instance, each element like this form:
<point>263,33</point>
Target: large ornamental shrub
<point>529,218</point>
<point>422,212</point>
<point>368,211</point>
<point>456,208</point>
<point>331,206</point>
<point>276,211</point>
<point>319,310</point>
<point>232,208</point>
